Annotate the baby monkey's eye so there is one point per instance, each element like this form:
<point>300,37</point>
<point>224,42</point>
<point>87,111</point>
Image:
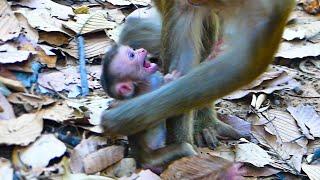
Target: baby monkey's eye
<point>131,55</point>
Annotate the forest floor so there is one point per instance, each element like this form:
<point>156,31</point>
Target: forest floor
<point>49,131</point>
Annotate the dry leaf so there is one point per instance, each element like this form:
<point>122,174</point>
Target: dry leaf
<point>267,83</point>
<point>199,167</point>
<point>14,56</point>
<point>142,175</point>
<point>7,111</point>
<point>54,38</point>
<point>283,126</point>
<point>313,171</point>
<point>36,102</point>
<point>125,168</point>
<point>129,2</point>
<point>21,131</point>
<point>301,31</point>
<point>61,112</point>
<point>6,170</point>
<point>55,9</point>
<point>300,49</point>
<point>38,155</point>
<point>28,31</point>
<point>52,80</point>
<point>253,154</point>
<point>85,147</point>
<point>94,46</point>
<point>10,27</point>
<point>87,23</point>
<point>308,120</point>
<point>242,126</point>
<point>41,19</point>
<point>103,158</point>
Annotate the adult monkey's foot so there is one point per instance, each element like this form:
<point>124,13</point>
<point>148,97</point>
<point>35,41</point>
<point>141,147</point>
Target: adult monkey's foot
<point>208,129</point>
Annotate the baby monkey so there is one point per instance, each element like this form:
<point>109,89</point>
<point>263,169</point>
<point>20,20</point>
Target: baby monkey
<point>126,74</point>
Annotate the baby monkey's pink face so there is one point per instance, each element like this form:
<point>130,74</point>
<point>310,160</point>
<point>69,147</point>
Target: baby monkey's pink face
<point>132,63</point>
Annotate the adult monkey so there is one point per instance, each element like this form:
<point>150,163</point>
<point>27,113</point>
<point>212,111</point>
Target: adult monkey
<point>253,29</point>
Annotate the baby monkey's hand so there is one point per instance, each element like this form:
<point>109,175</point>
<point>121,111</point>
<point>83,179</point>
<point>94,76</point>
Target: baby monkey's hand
<point>171,76</point>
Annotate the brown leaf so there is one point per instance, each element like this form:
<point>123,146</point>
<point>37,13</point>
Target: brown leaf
<point>13,84</point>
<point>36,102</point>
<point>14,56</point>
<point>103,158</point>
<point>308,120</point>
<point>199,167</point>
<point>54,38</point>
<point>83,149</point>
<point>94,46</point>
<point>10,27</point>
<point>283,126</point>
<point>21,131</point>
<point>7,111</point>
<point>242,126</point>
<point>28,31</point>
<point>253,154</point>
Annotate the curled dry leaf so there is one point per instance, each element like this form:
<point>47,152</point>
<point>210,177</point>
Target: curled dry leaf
<point>31,33</point>
<point>87,23</point>
<point>313,171</point>
<point>10,27</point>
<point>85,147</point>
<point>242,126</point>
<point>253,154</point>
<point>102,159</point>
<point>301,31</point>
<point>40,152</point>
<point>21,131</point>
<point>308,120</point>
<point>202,167</point>
<point>6,170</point>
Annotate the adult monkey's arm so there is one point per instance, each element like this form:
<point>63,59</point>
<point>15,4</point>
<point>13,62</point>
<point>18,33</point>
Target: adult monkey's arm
<point>256,28</point>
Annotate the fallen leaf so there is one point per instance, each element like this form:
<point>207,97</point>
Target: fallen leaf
<point>308,120</point>
<point>301,31</point>
<point>83,149</point>
<point>10,27</point>
<point>6,170</point>
<point>41,19</point>
<point>242,126</point>
<point>313,171</point>
<point>53,38</point>
<point>124,168</point>
<point>253,154</point>
<point>21,131</point>
<point>61,112</point>
<point>27,30</point>
<point>94,46</point>
<point>14,56</point>
<point>129,2</point>
<point>55,9</point>
<point>87,23</point>
<point>103,158</point>
<point>198,167</point>
<point>283,126</point>
<point>36,102</point>
<point>38,155</point>
<point>7,111</point>
<point>142,175</point>
<point>267,83</point>
<point>298,49</point>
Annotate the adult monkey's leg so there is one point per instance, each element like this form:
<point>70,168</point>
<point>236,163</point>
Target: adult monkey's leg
<point>252,49</point>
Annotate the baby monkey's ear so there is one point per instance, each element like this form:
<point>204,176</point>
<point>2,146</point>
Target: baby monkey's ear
<point>125,89</point>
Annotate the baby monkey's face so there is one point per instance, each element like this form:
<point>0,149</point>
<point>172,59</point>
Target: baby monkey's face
<point>132,63</point>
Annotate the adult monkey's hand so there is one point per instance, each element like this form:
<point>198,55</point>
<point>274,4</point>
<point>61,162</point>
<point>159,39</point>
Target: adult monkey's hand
<point>253,26</point>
